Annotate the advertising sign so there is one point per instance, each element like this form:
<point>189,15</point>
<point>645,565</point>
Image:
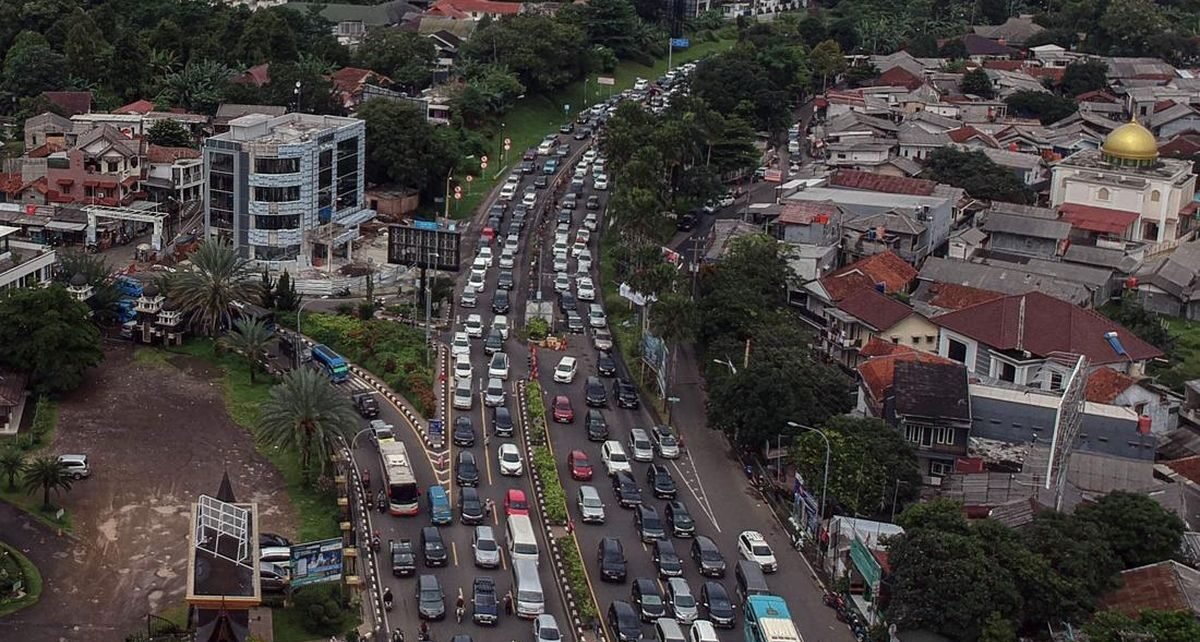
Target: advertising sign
<point>317,562</point>
<point>654,354</point>
<point>680,43</point>
<point>606,80</point>
<point>424,246</point>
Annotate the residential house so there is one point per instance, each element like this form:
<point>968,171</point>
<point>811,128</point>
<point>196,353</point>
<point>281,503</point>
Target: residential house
<point>932,298</point>
<point>857,154</point>
<point>930,406</point>
<point>980,49</point>
<point>1013,32</point>
<point>904,233</point>
<point>24,264</point>
<point>1103,103</point>
<point>1027,167</point>
<point>899,76</point>
<point>722,233</point>
<point>1170,283</point>
<point>1008,82</point>
<point>349,83</point>
<point>885,271</point>
<point>964,243</point>
<point>70,103</point>
<point>1164,586</point>
<point>257,76</point>
<point>854,126</point>
<point>807,223</point>
<point>1019,339</point>
<point>1174,118</point>
<point>1184,147</point>
<point>1129,71</point>
<point>877,370</point>
<point>229,111</point>
<point>105,167</point>
<point>474,9</point>
<point>1052,55</point>
<point>1159,409</point>
<point>867,313</point>
<point>917,142</point>
<point>971,138</point>
<point>1011,274</point>
<point>1025,235</point>
<point>12,399</point>
<point>174,174</point>
<point>139,107</point>
<point>47,129</point>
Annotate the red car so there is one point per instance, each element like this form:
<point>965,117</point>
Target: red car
<point>563,412</point>
<point>514,502</point>
<point>581,468</point>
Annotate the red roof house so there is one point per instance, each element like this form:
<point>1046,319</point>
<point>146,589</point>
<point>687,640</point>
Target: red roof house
<point>1165,586</point>
<point>139,107</point>
<point>884,268</point>
<point>869,181</point>
<point>70,102</point>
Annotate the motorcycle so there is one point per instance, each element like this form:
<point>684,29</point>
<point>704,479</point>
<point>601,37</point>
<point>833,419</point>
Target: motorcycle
<point>381,502</point>
<point>387,600</point>
<point>376,545</point>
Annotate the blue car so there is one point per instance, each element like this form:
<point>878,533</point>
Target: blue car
<point>439,506</point>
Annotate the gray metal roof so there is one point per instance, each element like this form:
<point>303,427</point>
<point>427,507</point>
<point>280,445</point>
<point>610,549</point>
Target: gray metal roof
<point>1003,279</point>
<point>1100,257</point>
<point>911,134</point>
<point>1027,211</point>
<point>1041,228</point>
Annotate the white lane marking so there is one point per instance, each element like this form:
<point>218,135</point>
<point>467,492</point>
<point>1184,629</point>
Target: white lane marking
<point>701,496</point>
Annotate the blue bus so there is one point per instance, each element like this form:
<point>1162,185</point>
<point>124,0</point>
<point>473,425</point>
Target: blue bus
<point>332,363</point>
<point>767,620</point>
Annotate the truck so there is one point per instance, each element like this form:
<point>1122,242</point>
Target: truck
<point>404,557</point>
<point>366,405</point>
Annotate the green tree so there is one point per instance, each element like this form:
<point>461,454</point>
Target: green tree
<point>207,288</point>
<point>1045,106</point>
<point>286,297</point>
<point>47,333</point>
<point>488,92</point>
<point>1138,530</point>
<point>267,37</point>
<point>869,461</point>
<point>977,174</point>
<point>942,515</point>
<point>405,57</point>
<point>87,53</point>
<point>169,133</point>
<point>307,415</point>
<point>250,338</point>
<point>1079,556</point>
<point>1147,325</point>
<point>1083,76</point>
<point>827,62</point>
<point>976,82</point>
<point>1132,26</point>
<point>544,63</point>
<point>404,148</point>
<point>267,291</point>
<point>998,629</point>
<point>48,474</point>
<point>12,462</point>
<point>199,86</point>
<point>1159,626</point>
<point>673,319</point>
<point>31,66</point>
<point>612,24</point>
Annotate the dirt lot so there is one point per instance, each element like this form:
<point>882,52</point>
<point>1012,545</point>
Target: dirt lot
<point>157,435</point>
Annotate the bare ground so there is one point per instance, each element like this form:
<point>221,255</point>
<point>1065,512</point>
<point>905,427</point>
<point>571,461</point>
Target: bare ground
<point>157,436</point>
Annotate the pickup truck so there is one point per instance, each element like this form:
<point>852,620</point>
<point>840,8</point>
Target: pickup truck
<point>366,405</point>
<point>404,557</point>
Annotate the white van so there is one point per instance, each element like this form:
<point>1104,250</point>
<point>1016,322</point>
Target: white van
<point>668,630</point>
<point>464,399</point>
<point>521,541</point>
<point>530,602</point>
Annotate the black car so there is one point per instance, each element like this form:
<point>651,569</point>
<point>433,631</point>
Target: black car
<point>563,151</point>
<point>717,605</point>
<point>404,558</point>
<point>569,201</point>
<point>610,556</point>
<point>268,540</point>
<point>497,210</point>
<point>563,217</point>
<point>494,342</point>
<point>466,471</point>
<point>708,557</point>
<point>502,423</point>
<point>594,393</point>
<point>626,489</point>
<point>500,302</point>
<point>648,598</point>
<point>464,431</point>
<point>582,133</point>
<point>530,154</point>
<point>567,302</point>
<point>623,620</point>
<point>666,559</point>
<point>680,519</point>
<point>606,366</point>
<point>433,549</point>
<point>494,222</point>
<point>505,280</point>
<point>597,427</point>
<point>470,506</point>
<point>528,167</point>
<point>431,601</point>
<point>648,524</point>
<point>566,128</point>
<point>574,322</point>
<point>593,202</point>
<point>625,393</point>
<point>541,181</point>
<point>484,605</point>
<point>366,405</point>
<point>687,222</point>
<point>661,482</point>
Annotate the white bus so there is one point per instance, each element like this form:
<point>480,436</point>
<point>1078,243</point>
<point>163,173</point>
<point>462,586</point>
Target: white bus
<point>399,478</point>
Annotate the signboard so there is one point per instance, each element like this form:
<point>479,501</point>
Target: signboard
<point>773,175</point>
<point>606,80</point>
<point>317,562</point>
<point>435,426</point>
<point>680,43</point>
<point>654,353</point>
<point>425,225</point>
<point>424,246</point>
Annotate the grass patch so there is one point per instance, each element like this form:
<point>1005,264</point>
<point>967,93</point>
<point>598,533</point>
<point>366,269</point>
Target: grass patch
<point>14,565</point>
<point>1185,355</point>
<point>577,577</point>
<point>151,356</point>
<point>552,488</point>
<point>32,503</point>
<point>535,116</point>
<point>287,625</point>
<point>317,508</point>
<point>34,443</point>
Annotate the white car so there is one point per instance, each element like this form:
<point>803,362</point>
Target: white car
<point>591,221</point>
<point>560,264</point>
<point>601,182</point>
<point>511,243</point>
<point>508,191</point>
<point>507,259</point>
<point>462,367</point>
<point>530,198</point>
<point>545,629</point>
<point>584,290</point>
<point>580,170</point>
<point>578,247</point>
<point>498,368</point>
<point>565,371</point>
<point>614,458</point>
<point>475,282</point>
<point>485,253</point>
<point>562,282</point>
<point>584,265</point>
<point>480,266</point>
<point>583,236</point>
<point>561,248</point>
<point>589,156</point>
<point>461,345</point>
<point>597,318</point>
<point>500,324</point>
<point>585,255</point>
<point>753,546</point>
<point>509,457</point>
<point>474,326</point>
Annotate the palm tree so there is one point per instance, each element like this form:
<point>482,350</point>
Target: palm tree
<point>306,414</point>
<point>46,473</point>
<point>216,278</point>
<point>249,337</point>
<point>12,462</point>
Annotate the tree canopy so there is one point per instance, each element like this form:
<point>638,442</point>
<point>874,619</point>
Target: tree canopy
<point>870,464</point>
<point>977,174</point>
<point>1046,107</point>
<point>47,333</point>
<point>404,148</point>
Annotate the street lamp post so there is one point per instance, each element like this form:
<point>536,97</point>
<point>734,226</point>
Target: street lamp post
<point>733,371</point>
<point>296,348</point>
<point>825,478</point>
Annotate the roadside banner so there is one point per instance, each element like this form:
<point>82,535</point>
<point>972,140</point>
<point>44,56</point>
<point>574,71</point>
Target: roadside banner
<point>317,562</point>
<point>774,175</point>
<point>606,80</point>
<point>680,43</point>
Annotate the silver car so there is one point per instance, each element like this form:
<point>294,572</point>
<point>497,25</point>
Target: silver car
<point>487,550</point>
<point>494,393</point>
<point>683,604</point>
<point>591,508</point>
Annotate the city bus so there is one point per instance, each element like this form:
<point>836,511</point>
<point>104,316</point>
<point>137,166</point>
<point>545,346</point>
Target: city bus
<point>399,478</point>
<point>767,620</point>
<point>332,363</point>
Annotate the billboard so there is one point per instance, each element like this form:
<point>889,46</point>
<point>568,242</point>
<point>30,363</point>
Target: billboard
<point>317,562</point>
<point>654,353</point>
<point>424,246</point>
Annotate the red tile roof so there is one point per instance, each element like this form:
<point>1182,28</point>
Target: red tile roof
<point>43,151</point>
<point>899,77</point>
<point>258,75</point>
<point>1106,384</point>
<point>967,133</point>
<point>877,347</point>
<point>1097,219</point>
<point>478,6</point>
<point>1097,96</point>
<point>952,296</point>
<point>1182,145</point>
<point>1055,74</point>
<point>807,212</point>
<point>1005,65</point>
<point>1042,325</point>
<point>878,374</point>
<point>886,268</point>
<point>161,154</point>
<point>136,107</point>
<point>11,183</point>
<point>1165,586</point>
<point>350,79</point>
<point>1165,103</point>
<point>876,310</point>
<point>855,179</point>
<point>71,102</point>
<point>1187,467</point>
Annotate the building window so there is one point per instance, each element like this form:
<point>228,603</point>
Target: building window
<point>1102,194</point>
<point>956,350</point>
<point>944,435</point>
<point>1150,231</point>
<point>1155,196</point>
<point>1008,372</point>
<point>895,339</point>
<point>940,468</point>
<point>277,194</point>
<point>916,340</point>
<point>113,167</point>
<point>930,339</point>
<point>913,434</point>
<point>1140,408</point>
<point>276,165</point>
<point>286,222</point>
<point>1056,381</point>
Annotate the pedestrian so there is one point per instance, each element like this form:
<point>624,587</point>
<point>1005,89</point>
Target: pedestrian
<point>508,604</point>
<point>599,629</point>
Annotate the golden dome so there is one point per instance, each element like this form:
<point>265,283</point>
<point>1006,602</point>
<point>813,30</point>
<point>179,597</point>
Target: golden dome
<point>1131,142</point>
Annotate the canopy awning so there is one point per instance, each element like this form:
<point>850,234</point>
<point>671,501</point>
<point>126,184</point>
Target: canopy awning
<point>66,226</point>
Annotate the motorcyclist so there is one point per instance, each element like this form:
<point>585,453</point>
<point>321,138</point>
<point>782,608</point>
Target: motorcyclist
<point>397,635</point>
<point>387,599</point>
